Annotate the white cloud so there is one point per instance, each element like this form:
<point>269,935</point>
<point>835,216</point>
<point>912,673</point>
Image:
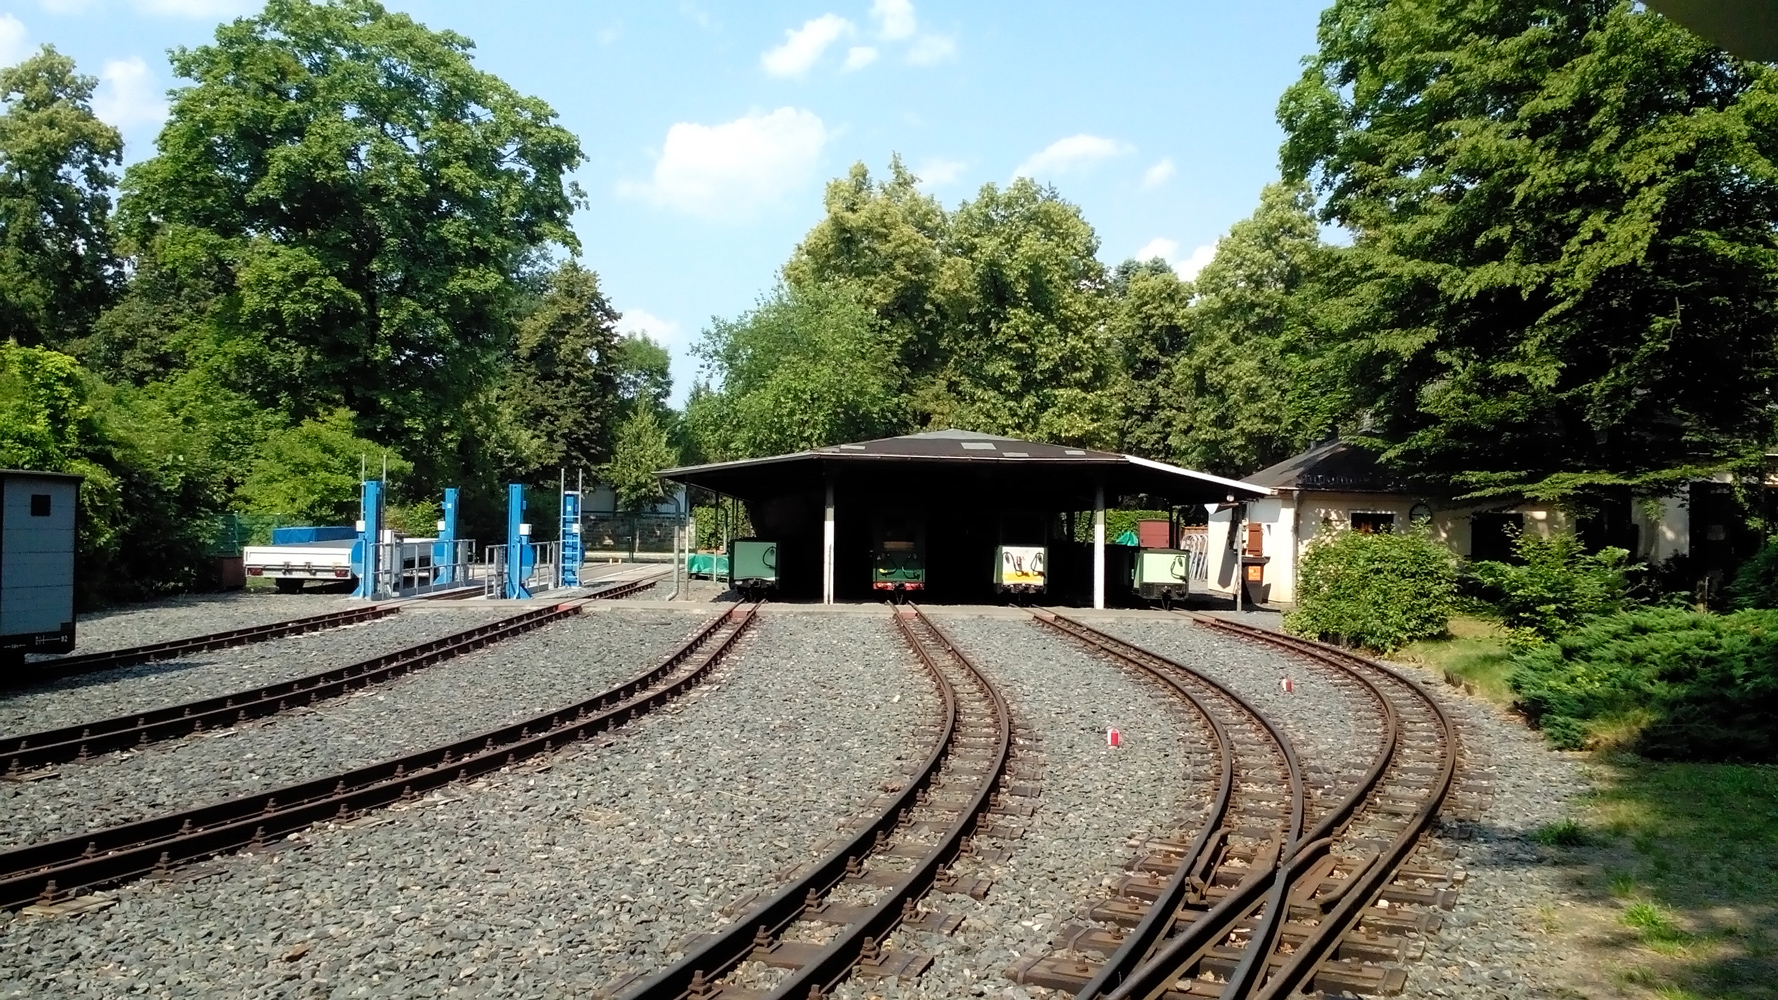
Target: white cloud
<point>12,40</point>
<point>802,46</point>
<point>939,172</point>
<point>640,321</point>
<point>858,57</point>
<point>1073,153</point>
<point>930,49</point>
<point>126,95</point>
<point>1158,174</point>
<point>1164,248</point>
<point>728,170</point>
<point>193,8</point>
<point>895,19</point>
<point>1160,247</point>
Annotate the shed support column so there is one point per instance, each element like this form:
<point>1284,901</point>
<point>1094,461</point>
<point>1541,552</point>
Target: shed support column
<point>1099,546</point>
<point>827,549</point>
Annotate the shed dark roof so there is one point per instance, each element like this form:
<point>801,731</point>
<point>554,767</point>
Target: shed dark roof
<point>1333,467</point>
<point>40,474</point>
<point>934,452</point>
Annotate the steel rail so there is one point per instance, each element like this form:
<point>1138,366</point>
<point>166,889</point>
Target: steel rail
<point>38,672</point>
<point>1145,941</point>
<point>1298,969</point>
<point>46,872</point>
<point>694,974</point>
<point>618,591</point>
<point>79,741</point>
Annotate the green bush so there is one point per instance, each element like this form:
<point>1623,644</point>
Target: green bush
<point>1378,592</point>
<point>1756,582</point>
<point>1666,682</point>
<point>1555,588</point>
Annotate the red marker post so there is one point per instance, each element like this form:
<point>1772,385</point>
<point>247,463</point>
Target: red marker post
<point>1113,738</point>
<point>1286,685</point>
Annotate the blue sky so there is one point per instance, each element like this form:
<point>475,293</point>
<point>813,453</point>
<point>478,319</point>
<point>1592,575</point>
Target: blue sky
<point>709,128</point>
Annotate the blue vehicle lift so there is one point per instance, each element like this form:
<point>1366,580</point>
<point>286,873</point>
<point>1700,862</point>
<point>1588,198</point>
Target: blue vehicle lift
<point>444,551</point>
<point>370,531</point>
<point>571,551</point>
<point>520,556</point>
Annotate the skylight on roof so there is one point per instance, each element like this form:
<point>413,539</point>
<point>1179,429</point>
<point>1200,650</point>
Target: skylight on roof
<point>978,445</point>
<point>1016,454</point>
<point>852,447</point>
<point>1075,451</point>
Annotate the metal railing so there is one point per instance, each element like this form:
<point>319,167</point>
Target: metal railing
<point>1196,545</point>
<point>412,568</point>
<point>545,572</point>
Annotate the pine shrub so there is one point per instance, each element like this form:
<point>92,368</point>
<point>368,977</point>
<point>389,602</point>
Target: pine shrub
<point>1556,586</point>
<point>1666,682</point>
<point>1377,592</point>
<point>1756,582</point>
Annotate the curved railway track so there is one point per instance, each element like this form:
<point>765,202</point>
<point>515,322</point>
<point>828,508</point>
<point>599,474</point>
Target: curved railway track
<point>51,872</point>
<point>78,742</point>
<point>805,935</point>
<point>50,670</point>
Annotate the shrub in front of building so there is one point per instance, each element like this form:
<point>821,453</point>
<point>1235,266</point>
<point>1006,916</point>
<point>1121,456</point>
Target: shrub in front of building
<point>1556,586</point>
<point>1666,682</point>
<point>1756,582</point>
<point>1374,591</point>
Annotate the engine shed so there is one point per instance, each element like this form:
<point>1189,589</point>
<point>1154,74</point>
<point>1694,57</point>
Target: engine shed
<point>962,494</point>
<point>36,562</point>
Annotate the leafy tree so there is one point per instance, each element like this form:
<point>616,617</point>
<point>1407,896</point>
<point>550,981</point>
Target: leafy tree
<point>56,160</point>
<point>805,369</point>
<point>363,200</point>
<point>1147,316</point>
<point>642,450</point>
<point>149,488</point>
<point>565,373</point>
<point>311,472</point>
<point>1565,221</point>
<point>1241,377</point>
<point>644,373</point>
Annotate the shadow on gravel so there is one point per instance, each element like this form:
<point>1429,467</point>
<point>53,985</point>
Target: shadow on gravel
<point>157,668</point>
<point>1681,862</point>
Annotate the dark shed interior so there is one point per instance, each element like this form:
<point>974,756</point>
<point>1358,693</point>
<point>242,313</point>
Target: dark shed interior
<point>968,493</point>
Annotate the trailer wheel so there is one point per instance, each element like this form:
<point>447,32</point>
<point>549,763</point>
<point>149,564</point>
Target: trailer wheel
<point>287,585</point>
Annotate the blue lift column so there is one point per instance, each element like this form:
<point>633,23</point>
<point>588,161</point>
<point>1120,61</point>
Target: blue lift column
<point>571,551</point>
<point>370,531</point>
<point>444,551</point>
<point>519,555</point>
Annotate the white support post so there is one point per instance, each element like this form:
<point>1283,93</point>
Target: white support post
<point>827,550</point>
<point>1239,526</point>
<point>1099,546</point>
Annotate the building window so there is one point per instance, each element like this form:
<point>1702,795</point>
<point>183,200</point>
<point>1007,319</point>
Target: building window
<point>40,505</point>
<point>1372,522</point>
<point>1494,536</point>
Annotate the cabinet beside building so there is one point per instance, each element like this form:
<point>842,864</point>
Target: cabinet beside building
<point>36,562</point>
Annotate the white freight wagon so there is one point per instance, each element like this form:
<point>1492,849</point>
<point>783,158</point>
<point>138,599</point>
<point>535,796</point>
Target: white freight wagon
<point>36,562</point>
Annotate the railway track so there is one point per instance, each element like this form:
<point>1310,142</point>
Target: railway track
<point>23,754</point>
<point>51,873</point>
<point>1256,814</point>
<point>48,671</point>
<point>834,918</point>
<point>40,672</point>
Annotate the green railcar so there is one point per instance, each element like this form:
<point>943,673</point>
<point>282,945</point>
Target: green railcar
<point>753,566</point>
<point>1163,575</point>
<point>898,555</point>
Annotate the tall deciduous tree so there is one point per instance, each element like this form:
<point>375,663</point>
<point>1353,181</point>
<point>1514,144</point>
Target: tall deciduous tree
<point>56,161</point>
<point>565,371</point>
<point>363,199</point>
<point>641,451</point>
<point>1566,225</point>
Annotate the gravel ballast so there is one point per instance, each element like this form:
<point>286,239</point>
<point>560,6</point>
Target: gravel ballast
<point>540,882</point>
<point>111,693</point>
<point>1093,800</point>
<point>506,682</point>
<point>191,615</point>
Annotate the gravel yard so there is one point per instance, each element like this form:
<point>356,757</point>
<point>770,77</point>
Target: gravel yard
<point>1315,715</point>
<point>193,615</point>
<point>1093,800</point>
<point>539,882</point>
<point>499,684</point>
<point>110,693</point>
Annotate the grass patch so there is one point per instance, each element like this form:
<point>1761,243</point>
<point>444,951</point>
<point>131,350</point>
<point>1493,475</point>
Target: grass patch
<point>1475,652</point>
<point>1564,832</point>
<point>1692,851</point>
